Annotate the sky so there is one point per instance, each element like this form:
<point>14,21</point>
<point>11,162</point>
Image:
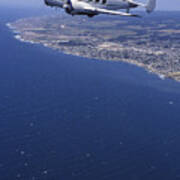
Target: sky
<point>161,4</point>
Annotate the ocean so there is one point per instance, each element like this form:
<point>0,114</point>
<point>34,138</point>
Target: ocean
<point>72,118</point>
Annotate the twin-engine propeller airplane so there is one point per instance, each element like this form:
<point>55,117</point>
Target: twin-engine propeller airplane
<point>95,7</point>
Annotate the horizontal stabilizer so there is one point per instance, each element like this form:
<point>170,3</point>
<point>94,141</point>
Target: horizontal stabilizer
<point>150,6</point>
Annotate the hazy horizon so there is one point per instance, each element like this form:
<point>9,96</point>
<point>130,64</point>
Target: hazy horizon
<point>161,4</point>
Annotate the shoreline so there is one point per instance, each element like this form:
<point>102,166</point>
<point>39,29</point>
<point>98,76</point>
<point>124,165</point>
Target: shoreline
<point>98,55</point>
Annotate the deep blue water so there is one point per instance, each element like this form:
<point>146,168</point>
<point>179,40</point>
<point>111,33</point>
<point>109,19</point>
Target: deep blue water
<point>71,118</point>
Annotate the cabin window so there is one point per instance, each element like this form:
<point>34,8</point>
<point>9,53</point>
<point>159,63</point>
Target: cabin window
<point>104,1</point>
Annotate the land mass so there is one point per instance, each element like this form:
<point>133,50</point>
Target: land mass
<point>151,42</point>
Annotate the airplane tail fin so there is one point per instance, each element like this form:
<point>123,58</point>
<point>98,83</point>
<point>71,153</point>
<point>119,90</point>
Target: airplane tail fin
<point>151,5</point>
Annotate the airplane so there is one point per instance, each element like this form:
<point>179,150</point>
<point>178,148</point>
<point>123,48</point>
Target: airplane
<point>96,7</point>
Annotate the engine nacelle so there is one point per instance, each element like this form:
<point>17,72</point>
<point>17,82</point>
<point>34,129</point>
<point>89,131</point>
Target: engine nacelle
<point>68,6</point>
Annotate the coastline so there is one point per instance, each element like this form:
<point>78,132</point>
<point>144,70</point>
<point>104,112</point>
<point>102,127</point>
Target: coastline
<point>19,35</point>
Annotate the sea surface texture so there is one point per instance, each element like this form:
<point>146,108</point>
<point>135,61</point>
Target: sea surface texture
<point>69,118</point>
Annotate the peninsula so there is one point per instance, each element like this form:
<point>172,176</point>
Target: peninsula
<point>151,42</point>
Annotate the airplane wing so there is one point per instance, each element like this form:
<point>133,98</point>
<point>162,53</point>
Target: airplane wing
<point>105,11</point>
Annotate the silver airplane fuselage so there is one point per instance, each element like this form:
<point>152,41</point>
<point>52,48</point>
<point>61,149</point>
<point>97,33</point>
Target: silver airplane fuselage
<point>95,7</point>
